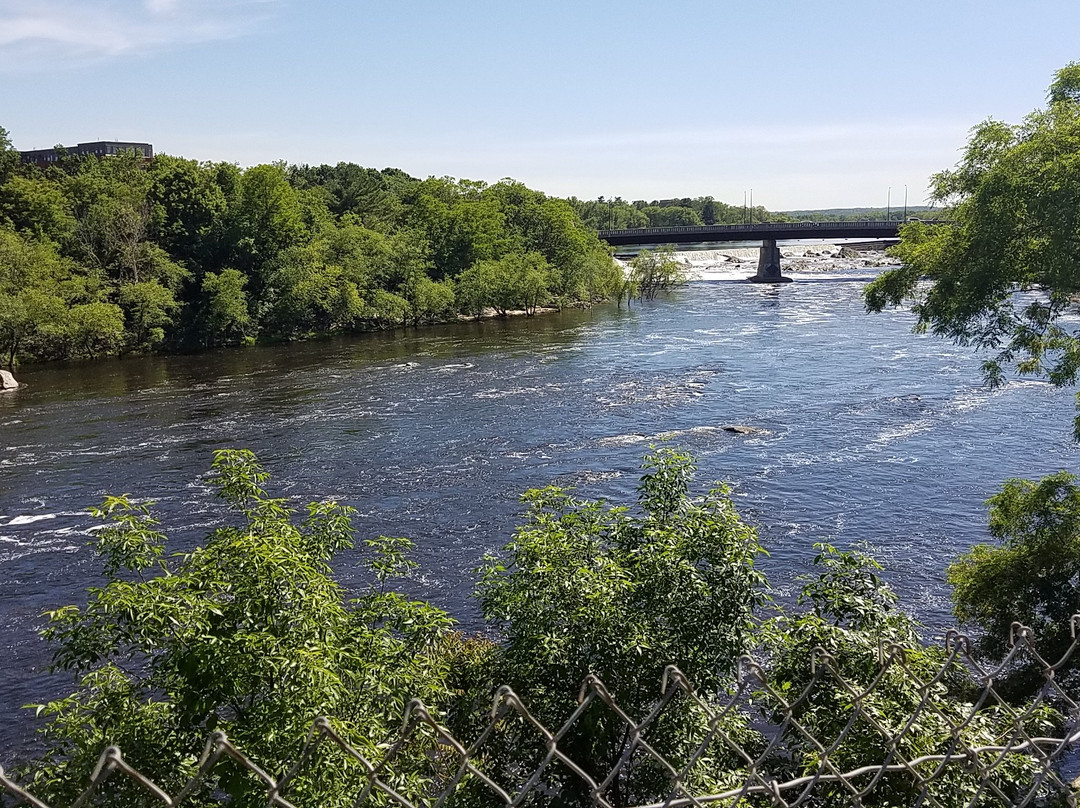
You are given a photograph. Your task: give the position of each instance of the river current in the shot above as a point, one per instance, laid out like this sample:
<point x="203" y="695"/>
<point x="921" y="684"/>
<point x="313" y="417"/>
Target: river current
<point x="868" y="433"/>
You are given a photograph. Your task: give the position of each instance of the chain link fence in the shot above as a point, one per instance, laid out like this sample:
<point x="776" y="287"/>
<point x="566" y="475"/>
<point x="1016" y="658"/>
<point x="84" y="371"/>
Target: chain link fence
<point x="788" y="765"/>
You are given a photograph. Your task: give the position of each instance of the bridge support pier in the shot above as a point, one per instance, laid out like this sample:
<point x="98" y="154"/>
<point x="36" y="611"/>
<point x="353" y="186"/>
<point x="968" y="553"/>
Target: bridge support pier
<point x="768" y="268"/>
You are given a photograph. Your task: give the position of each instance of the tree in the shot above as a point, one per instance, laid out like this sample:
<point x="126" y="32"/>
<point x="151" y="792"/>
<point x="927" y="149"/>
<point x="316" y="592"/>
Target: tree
<point x="656" y="272"/>
<point x="672" y="216"/>
<point x="385" y="309"/>
<point x="924" y="699"/>
<point x="305" y="293"/>
<point x="148" y="308"/>
<point x="266" y="218"/>
<point x="533" y="281"/>
<point x="189" y="207"/>
<point x="1005" y="271"/>
<point x="1066" y="85"/>
<point x="9" y="157"/>
<point x="589" y="588"/>
<point x="1031" y="576"/>
<point x="709" y="211"/>
<point x="246" y="634"/>
<point x="37" y="206"/>
<point x="30" y="273"/>
<point x="225" y="318"/>
<point x="95" y="329"/>
<point x="474" y="288"/>
<point x="428" y="300"/>
<point x="461" y="224"/>
<point x="628" y="288"/>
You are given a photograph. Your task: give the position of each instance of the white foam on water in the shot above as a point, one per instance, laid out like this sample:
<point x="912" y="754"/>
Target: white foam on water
<point x="799" y="459"/>
<point x="28" y="519"/>
<point x="969" y="400"/>
<point x="902" y="432"/>
<point x="622" y="440"/>
<point x="507" y="392"/>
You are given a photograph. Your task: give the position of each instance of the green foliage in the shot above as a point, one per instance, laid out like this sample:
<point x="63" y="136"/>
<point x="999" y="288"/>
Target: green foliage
<point x="148" y="308"/>
<point x="37" y="207"/>
<point x="225" y="316"/>
<point x="673" y="216"/>
<point x="95" y="329"/>
<point x="9" y="156"/>
<point x="1065" y="88"/>
<point x="618" y="214"/>
<point x="654" y="272"/>
<point x="589" y="588"/>
<point x="190" y="203"/>
<point x="249" y="634"/>
<point x="1004" y="273"/>
<point x="474" y="288"/>
<point x="867" y="674"/>
<point x="1032" y="576"/>
<point x="428" y="300"/>
<point x="246" y="634"/>
<point x="35" y="293"/>
<point x="203" y="254"/>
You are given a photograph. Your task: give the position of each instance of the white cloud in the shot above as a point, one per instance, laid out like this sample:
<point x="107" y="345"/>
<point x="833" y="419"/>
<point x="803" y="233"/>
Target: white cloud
<point x="61" y="33"/>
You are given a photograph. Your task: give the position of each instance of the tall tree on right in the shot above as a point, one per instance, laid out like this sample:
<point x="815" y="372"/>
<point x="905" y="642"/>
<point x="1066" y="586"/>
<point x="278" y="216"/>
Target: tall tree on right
<point x="1004" y="277"/>
<point x="1006" y="271"/>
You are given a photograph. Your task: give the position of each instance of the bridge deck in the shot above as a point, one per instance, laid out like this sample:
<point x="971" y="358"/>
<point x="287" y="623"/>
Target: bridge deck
<point x="751" y="232"/>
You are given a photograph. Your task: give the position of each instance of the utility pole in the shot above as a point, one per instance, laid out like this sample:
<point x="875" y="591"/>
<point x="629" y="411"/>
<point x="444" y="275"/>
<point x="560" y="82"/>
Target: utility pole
<point x="888" y="204"/>
<point x="751" y="206"/>
<point x="905" y="203"/>
<point x="744" y="221"/>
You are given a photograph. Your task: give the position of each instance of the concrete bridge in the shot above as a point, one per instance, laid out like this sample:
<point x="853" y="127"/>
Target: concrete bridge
<point x="768" y="233"/>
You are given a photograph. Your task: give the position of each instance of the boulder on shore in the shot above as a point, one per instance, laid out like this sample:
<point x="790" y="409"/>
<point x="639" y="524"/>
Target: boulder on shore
<point x="7" y="381"/>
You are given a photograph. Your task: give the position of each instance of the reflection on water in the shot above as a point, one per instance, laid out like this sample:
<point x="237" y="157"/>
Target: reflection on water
<point x="867" y="433"/>
<point x="770" y="295"/>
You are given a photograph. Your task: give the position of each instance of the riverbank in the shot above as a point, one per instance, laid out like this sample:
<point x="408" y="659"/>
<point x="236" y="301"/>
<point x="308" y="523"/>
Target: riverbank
<point x="488" y="314"/>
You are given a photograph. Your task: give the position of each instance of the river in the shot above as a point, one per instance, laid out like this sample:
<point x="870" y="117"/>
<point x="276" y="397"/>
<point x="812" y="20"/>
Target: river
<point x="869" y="433"/>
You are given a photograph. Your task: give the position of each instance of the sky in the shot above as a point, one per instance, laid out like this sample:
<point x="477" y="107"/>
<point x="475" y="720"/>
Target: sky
<point x="810" y="103"/>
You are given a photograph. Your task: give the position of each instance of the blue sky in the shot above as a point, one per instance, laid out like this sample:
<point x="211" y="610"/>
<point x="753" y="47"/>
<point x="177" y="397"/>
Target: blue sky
<point x="810" y="103"/>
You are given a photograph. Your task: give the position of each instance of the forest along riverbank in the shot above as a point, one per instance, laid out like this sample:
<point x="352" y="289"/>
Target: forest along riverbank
<point x="864" y="432"/>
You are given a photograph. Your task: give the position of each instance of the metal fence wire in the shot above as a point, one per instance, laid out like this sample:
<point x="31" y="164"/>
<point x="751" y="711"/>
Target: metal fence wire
<point x="789" y="765"/>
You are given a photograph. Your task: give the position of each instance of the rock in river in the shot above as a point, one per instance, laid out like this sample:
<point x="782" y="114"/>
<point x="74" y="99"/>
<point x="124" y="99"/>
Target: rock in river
<point x="739" y="429"/>
<point x="7" y="381"/>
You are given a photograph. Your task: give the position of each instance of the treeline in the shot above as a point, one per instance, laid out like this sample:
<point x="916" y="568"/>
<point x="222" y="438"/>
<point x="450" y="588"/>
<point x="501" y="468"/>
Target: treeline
<point x="122" y="255"/>
<point x="897" y="213"/>
<point x="618" y="214"/>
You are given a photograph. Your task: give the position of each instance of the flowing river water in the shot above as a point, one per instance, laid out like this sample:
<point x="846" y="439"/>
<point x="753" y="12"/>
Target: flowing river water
<point x="868" y="433"/>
